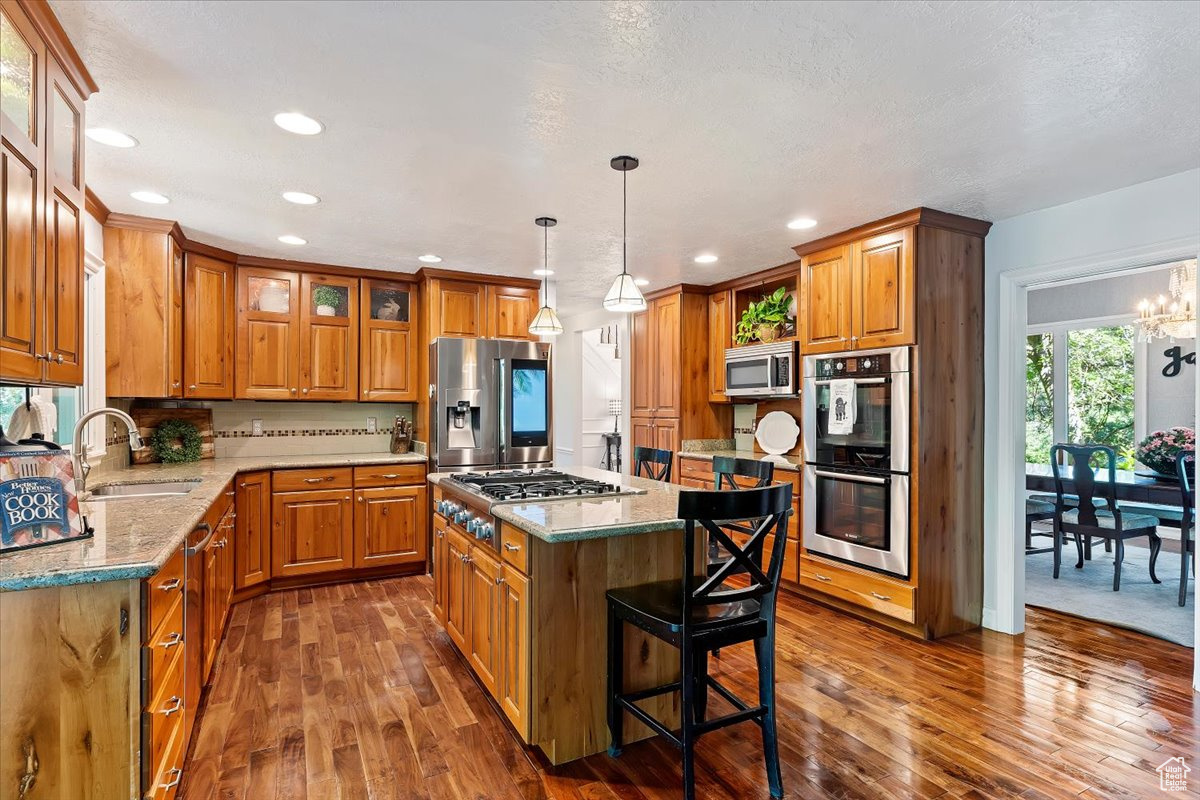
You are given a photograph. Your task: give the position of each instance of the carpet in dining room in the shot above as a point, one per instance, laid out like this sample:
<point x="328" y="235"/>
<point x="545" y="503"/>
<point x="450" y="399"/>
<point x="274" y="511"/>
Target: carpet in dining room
<point x="1141" y="605"/>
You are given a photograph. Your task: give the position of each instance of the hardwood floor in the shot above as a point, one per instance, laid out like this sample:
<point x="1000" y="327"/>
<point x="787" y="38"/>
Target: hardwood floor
<point x="354" y="692"/>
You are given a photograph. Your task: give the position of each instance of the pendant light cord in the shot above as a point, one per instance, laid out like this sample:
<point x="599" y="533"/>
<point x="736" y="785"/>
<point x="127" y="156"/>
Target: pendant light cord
<point x="624" y="223"/>
<point x="545" y="263"/>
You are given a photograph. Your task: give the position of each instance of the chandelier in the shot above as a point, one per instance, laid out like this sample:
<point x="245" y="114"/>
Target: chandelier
<point x="1171" y="317"/>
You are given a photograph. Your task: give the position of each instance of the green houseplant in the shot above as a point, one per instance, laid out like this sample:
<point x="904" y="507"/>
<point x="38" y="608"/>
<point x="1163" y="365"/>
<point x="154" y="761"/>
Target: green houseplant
<point x="762" y="320"/>
<point x="326" y="299"/>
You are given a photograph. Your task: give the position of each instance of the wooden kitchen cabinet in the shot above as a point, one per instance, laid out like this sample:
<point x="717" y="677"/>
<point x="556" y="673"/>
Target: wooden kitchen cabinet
<point x="458" y="308"/>
<point x="860" y="295"/>
<point x="328" y="337"/>
<point x="510" y="311"/>
<point x="252" y="550"/>
<point x="483" y="608"/>
<point x="458" y="546"/>
<point x="268" y="334"/>
<point x="312" y="532"/>
<point x="641" y="430"/>
<point x="441" y="564"/>
<point x="642" y="366"/>
<point x="41" y="256"/>
<point x="666" y="326"/>
<point x="389" y="526"/>
<point x="218" y="588"/>
<point x="388" y="354"/>
<point x="209" y="323"/>
<point x="143" y="290"/>
<point x="666" y="436"/>
<point x="825" y="301"/>
<point x="658" y="434"/>
<point x="720" y="337"/>
<point x="512" y="690"/>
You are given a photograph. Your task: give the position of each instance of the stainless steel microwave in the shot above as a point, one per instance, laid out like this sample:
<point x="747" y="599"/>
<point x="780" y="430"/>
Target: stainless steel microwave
<point x="762" y="370"/>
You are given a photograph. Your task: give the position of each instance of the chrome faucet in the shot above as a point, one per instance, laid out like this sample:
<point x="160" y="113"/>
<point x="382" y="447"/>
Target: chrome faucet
<point x="82" y="467"/>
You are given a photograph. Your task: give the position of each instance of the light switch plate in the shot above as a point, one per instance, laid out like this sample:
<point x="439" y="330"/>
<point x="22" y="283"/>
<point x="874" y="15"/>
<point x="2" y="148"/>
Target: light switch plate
<point x="256" y="427"/>
<point x="372" y="425"/>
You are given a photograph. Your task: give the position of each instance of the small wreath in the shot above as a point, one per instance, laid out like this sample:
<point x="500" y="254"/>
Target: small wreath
<point x="175" y="442"/>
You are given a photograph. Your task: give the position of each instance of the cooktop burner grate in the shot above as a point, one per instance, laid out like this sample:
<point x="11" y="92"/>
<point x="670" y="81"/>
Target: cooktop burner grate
<point x="533" y="484"/>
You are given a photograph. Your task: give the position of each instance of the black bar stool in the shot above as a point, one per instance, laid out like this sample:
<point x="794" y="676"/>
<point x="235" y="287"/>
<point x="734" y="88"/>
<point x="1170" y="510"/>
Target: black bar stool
<point x="697" y="614"/>
<point x="1185" y="468"/>
<point x="652" y="464"/>
<point x="725" y="469"/>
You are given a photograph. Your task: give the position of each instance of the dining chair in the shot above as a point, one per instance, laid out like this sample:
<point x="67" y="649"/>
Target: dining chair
<point x="653" y="464"/>
<point x="1187" y="544"/>
<point x="1036" y="511"/>
<point x="1087" y="518"/>
<point x="698" y="614"/>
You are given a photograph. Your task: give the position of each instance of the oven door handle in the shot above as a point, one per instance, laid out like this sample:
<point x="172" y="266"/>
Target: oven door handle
<point x="825" y="381"/>
<point x="842" y="476"/>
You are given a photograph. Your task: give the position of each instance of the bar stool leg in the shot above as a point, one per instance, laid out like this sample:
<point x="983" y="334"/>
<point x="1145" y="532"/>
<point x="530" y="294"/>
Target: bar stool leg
<point x="687" y="712"/>
<point x="616" y="665"/>
<point x="764" y="653"/>
<point x="701" y="684"/>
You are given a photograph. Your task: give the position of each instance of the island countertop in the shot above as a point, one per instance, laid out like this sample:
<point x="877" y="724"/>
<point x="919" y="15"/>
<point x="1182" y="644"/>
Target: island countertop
<point x="653" y="508"/>
<point x="135" y="537"/>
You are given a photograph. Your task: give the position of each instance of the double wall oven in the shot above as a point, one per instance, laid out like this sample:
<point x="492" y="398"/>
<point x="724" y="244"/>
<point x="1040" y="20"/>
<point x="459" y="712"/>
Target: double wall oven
<point x="856" y="443"/>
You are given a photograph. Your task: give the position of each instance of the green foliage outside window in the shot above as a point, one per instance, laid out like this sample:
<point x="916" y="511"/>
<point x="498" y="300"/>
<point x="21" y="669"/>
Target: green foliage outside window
<point x="1039" y="393"/>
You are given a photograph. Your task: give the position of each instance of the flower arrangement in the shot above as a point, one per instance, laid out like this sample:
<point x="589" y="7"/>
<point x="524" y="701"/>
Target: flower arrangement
<point x="1159" y="450"/>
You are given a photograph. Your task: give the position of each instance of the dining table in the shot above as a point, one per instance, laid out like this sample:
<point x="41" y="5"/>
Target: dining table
<point x="1131" y="486"/>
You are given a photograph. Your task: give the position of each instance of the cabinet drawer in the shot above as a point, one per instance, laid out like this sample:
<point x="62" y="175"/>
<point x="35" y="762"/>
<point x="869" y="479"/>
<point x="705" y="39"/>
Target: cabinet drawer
<point x="166" y="642"/>
<point x="389" y="475"/>
<point x="875" y="592"/>
<point x="162" y="591"/>
<point x="165" y="783"/>
<point x="165" y="710"/>
<point x="301" y="480"/>
<point x="514" y="546"/>
<point x="696" y="468"/>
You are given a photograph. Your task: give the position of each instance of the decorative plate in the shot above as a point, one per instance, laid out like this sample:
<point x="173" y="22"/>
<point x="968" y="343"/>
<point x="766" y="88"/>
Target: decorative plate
<point x="777" y="433"/>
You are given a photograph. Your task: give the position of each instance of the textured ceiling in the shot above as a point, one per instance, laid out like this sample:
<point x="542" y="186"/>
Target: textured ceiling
<point x="450" y="126"/>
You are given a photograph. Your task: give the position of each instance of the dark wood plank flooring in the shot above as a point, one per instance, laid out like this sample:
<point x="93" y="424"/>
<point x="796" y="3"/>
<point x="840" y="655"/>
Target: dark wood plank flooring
<point x="354" y="692"/>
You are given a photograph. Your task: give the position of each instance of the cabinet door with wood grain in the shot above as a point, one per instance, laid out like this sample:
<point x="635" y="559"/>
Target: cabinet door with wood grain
<point x="483" y="625"/>
<point x="389" y="526"/>
<point x="666" y="333"/>
<point x="388" y="354"/>
<point x="510" y="310"/>
<point x="666" y="437"/>
<point x="328" y="338"/>
<point x="252" y="539"/>
<point x="825" y="300"/>
<point x="641" y="433"/>
<point x="311" y="532"/>
<point x="720" y="337"/>
<point x="441" y="564"/>
<point x="641" y="368"/>
<point x="461" y="309"/>
<point x="209" y="320"/>
<point x="457" y="548"/>
<point x="513" y="680"/>
<point x="174" y="313"/>
<point x="884" y="296"/>
<point x="268" y="335"/>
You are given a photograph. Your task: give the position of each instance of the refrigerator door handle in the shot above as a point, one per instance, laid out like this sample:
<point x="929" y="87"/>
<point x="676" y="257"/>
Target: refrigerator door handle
<point x="502" y="386"/>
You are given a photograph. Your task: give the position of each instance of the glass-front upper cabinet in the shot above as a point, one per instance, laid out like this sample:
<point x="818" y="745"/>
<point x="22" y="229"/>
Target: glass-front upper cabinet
<point x="269" y="295"/>
<point x="389" y="302"/>
<point x="18" y="80"/>
<point x="330" y="300"/>
<point x="64" y="139"/>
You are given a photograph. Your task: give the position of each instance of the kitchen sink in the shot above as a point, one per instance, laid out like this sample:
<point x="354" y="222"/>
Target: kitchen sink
<point x="133" y="491"/>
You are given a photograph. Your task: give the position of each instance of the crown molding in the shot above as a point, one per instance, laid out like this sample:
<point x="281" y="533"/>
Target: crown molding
<point x="95" y="206"/>
<point x="59" y="45"/>
<point x="928" y="217"/>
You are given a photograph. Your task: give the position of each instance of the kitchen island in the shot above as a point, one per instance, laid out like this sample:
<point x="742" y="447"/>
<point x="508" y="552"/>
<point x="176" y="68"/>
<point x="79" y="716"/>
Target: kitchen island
<point x="527" y="609"/>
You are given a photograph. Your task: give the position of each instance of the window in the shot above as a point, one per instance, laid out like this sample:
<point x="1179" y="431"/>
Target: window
<point x="1039" y="397"/>
<point x="68" y="402"/>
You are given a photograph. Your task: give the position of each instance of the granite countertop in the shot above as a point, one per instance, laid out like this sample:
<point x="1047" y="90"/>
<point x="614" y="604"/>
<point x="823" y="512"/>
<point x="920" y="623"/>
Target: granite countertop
<point x="653" y="508"/>
<point x="135" y="537"/>
<point x="792" y="463"/>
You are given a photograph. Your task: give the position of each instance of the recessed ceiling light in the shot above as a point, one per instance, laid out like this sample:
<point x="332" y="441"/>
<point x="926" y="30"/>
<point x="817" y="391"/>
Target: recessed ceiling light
<point x="301" y="198"/>
<point x="705" y="258"/>
<point x="802" y="224"/>
<point x="294" y="122"/>
<point x="429" y="258"/>
<point x="150" y="197"/>
<point x="287" y="238"/>
<point x="542" y="273"/>
<point x="110" y="137"/>
<point x="641" y="282"/>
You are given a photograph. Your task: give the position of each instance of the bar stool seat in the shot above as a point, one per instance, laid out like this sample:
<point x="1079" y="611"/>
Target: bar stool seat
<point x="660" y="605"/>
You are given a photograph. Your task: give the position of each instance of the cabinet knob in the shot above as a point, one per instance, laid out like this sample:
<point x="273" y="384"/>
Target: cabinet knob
<point x="175" y="384"/>
<point x="293" y="390"/>
<point x="347" y="497"/>
<point x="242" y="484"/>
<point x="305" y="391"/>
<point x="192" y="386"/>
<point x="360" y="498"/>
<point x="499" y="581"/>
<point x="60" y="358"/>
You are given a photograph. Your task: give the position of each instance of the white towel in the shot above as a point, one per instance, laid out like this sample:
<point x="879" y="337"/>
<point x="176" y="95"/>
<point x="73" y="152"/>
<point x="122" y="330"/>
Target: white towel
<point x="41" y="416"/>
<point x="843" y="410"/>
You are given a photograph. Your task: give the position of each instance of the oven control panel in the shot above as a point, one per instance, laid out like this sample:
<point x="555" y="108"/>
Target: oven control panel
<point x="857" y="366"/>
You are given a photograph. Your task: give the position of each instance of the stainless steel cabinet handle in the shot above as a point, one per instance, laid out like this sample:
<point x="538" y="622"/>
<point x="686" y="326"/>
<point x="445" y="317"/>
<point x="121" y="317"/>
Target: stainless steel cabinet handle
<point x="221" y="544"/>
<point x="177" y="704"/>
<point x="178" y="773"/>
<point x="242" y="485"/>
<point x="175" y="383"/>
<point x="169" y="585"/>
<point x="313" y="480"/>
<point x="191" y="551"/>
<point x="823" y="578"/>
<point x="842" y="476"/>
<point x="174" y="639"/>
<point x="499" y="581"/>
<point x="511" y="547"/>
<point x="390" y="475"/>
<point x="879" y="596"/>
<point x="40" y="357"/>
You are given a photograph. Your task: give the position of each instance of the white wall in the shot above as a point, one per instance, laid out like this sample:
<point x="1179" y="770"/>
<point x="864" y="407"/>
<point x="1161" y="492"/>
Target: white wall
<point x="569" y="411"/>
<point x="1146" y="222"/>
<point x="600" y="382"/>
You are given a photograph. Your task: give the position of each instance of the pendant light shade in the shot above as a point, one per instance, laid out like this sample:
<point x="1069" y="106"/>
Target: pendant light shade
<point x="546" y="322"/>
<point x="624" y="294"/>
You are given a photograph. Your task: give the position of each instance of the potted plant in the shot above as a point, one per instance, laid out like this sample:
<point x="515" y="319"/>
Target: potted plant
<point x="326" y="299"/>
<point x="764" y="319"/>
<point x="1159" y="450"/>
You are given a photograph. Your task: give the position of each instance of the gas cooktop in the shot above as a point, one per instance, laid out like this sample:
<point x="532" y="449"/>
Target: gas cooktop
<point x="534" y="484"/>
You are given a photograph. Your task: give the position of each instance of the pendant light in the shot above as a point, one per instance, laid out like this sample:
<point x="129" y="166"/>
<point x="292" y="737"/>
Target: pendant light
<point x="546" y="322"/>
<point x="624" y="294"/>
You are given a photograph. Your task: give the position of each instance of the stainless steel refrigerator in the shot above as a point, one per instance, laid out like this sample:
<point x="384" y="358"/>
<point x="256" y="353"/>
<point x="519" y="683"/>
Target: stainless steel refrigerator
<point x="490" y="405"/>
